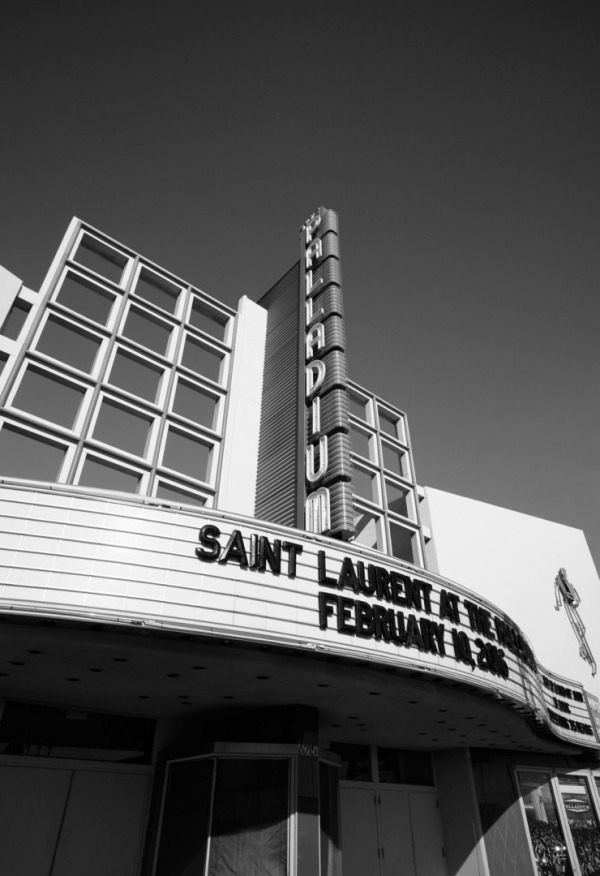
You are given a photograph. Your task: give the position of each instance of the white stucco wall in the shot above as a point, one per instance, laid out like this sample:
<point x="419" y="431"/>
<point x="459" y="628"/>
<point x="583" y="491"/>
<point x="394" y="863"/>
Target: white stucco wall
<point x="512" y="559"/>
<point x="237" y="480"/>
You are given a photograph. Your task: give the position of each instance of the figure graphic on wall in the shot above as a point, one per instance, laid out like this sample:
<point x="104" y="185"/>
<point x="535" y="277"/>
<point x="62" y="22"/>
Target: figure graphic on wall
<point x="568" y="596"/>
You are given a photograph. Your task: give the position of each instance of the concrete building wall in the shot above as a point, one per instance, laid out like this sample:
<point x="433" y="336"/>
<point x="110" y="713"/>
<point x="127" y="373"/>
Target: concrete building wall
<point x="513" y="559"/>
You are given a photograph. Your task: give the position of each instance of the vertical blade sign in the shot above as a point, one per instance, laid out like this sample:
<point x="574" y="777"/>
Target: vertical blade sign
<point x="328" y="466"/>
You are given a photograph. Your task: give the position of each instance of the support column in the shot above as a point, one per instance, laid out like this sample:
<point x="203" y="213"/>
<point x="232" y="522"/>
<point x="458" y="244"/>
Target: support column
<point x="463" y="839"/>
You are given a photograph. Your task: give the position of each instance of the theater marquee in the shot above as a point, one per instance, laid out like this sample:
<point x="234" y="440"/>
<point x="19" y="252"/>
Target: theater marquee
<point x="397" y="614"/>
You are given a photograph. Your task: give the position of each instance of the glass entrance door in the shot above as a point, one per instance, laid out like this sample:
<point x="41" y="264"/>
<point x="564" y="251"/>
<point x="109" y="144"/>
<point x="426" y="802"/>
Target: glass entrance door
<point x="583" y="822"/>
<point x="563" y="822"/>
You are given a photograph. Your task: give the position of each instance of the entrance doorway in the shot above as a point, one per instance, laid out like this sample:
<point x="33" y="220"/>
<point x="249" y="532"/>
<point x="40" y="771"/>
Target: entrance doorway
<point x="390" y="831"/>
<point x="65" y="819"/>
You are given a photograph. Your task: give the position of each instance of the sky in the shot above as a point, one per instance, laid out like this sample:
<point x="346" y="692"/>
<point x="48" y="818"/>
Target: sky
<point x="459" y="141"/>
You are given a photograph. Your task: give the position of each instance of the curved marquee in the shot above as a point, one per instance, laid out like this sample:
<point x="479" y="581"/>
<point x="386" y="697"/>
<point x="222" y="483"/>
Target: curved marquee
<point x="76" y="555"/>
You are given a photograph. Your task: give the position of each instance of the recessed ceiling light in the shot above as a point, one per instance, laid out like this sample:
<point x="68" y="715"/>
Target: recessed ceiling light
<point x="34" y="651"/>
<point x="121" y="659"/>
<point x="322" y="685"/>
<point x="374" y="693"/>
<point x="143" y="697"/>
<point x="228" y="697"/>
<point x="16" y="663"/>
<point x="73" y="679"/>
<point x="173" y="674"/>
<point x="95" y="669"/>
<point x="198" y="667"/>
<point x="263" y="677"/>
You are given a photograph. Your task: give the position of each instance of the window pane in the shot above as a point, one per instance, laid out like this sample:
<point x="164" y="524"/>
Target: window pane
<point x="185" y="823"/>
<point x="3" y="361"/>
<point x="368" y="529"/>
<point x="101" y="258"/>
<point x="85" y="298"/>
<point x="364" y="483"/>
<point x="404" y="767"/>
<point x="135" y="375"/>
<point x="122" y="427"/>
<point x="582" y="821"/>
<point x="250" y="818"/>
<point x="157" y="290"/>
<point x="187" y="454"/>
<point x="207" y="319"/>
<point x="544" y="826"/>
<point x="69" y="344"/>
<point x="24" y="455"/>
<point x="402" y="543"/>
<point x="147" y="331"/>
<point x="356" y="761"/>
<point x="391" y="424"/>
<point x="399" y="499"/>
<point x="204" y="360"/>
<point x="45" y="396"/>
<point x="358" y="406"/>
<point x="395" y="460"/>
<point x="195" y="403"/>
<point x="360" y="442"/>
<point x="15" y="320"/>
<point x="178" y="494"/>
<point x="106" y="476"/>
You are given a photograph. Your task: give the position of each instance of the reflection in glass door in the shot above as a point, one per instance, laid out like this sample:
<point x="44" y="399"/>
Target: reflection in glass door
<point x="547" y="837"/>
<point x="583" y="822"/>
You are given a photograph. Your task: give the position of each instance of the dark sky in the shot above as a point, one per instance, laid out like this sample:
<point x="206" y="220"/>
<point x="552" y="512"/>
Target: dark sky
<point x="459" y="142"/>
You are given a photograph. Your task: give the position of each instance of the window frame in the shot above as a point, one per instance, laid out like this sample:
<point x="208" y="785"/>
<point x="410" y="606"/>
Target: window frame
<point x="91" y="452"/>
<point x="216" y="429"/>
<point x="152" y="364"/>
<point x="144" y="267"/>
<point x="213" y="307"/>
<point x="202" y="438"/>
<point x="46" y="438"/>
<point x="93" y="284"/>
<point x="183" y="487"/>
<point x="61" y="377"/>
<point x="137" y="409"/>
<point x="105" y="244"/>
<point x="61" y="317"/>
<point x="210" y="344"/>
<point x="171" y="324"/>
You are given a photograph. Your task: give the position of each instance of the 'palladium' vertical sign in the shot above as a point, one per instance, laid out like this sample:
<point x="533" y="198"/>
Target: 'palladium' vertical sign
<point x="328" y="469"/>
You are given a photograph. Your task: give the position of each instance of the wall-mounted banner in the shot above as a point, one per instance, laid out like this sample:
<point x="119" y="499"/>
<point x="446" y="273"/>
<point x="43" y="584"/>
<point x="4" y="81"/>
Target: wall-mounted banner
<point x="329" y="508"/>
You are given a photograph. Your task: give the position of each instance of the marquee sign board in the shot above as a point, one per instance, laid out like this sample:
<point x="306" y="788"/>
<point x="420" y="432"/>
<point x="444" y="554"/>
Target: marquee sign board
<point x="215" y="574"/>
<point x="407" y="614"/>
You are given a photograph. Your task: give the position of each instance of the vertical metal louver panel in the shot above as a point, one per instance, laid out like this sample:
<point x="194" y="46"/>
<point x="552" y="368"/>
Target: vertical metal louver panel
<point x="279" y="454"/>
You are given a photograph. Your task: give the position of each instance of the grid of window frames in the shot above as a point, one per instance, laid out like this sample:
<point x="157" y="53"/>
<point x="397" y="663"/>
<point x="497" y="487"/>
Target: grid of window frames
<point x="123" y="384"/>
<point x="386" y="497"/>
